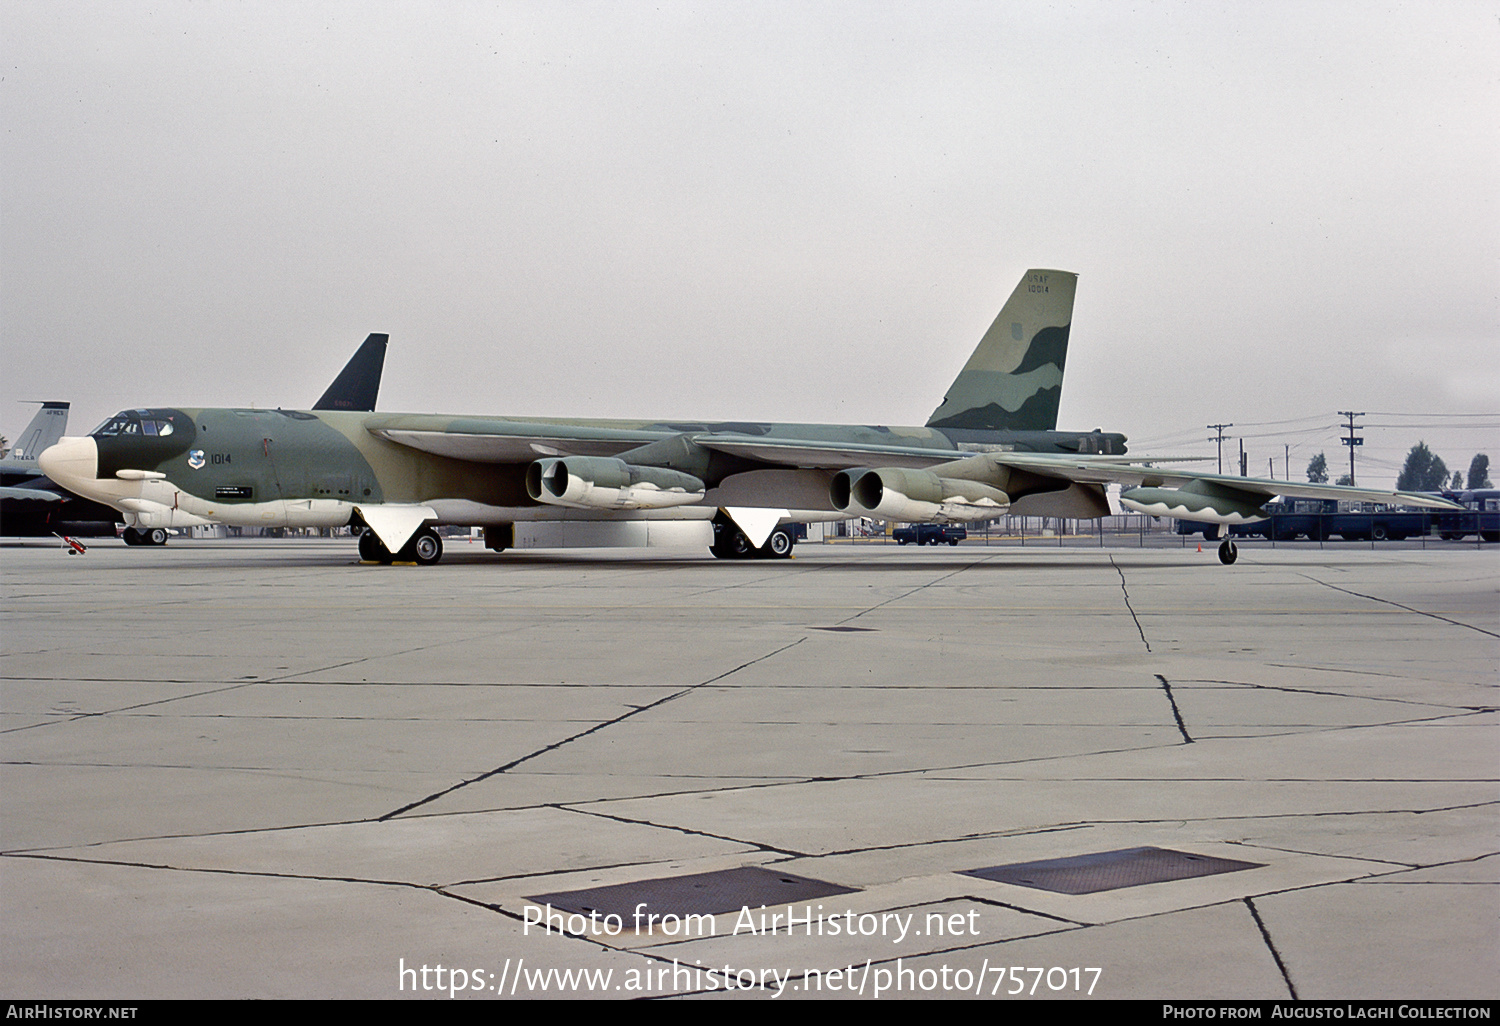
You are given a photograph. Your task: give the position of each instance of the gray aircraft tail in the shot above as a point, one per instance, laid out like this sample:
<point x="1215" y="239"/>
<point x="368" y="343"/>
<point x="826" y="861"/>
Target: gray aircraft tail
<point x="359" y="382"/>
<point x="1013" y="381"/>
<point x="45" y="428"/>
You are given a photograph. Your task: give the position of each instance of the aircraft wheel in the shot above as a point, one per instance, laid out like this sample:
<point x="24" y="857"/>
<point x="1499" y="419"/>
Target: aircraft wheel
<point x="732" y="546"/>
<point x="131" y="536"/>
<point x="1228" y="552"/>
<point x="155" y="536"/>
<point x="372" y="549"/>
<point x="425" y="547"/>
<point x="739" y="546"/>
<point x="778" y="545"/>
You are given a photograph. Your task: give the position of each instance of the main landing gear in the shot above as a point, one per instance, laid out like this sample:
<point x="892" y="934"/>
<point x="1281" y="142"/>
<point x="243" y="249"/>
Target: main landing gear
<point x="151" y="536"/>
<point x="1228" y="552"/>
<point x="730" y="543"/>
<point x="424" y="549"/>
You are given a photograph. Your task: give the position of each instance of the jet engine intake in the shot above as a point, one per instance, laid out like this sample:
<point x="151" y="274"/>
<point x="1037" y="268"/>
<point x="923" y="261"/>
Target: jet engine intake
<point x="603" y="482"/>
<point x="914" y="496"/>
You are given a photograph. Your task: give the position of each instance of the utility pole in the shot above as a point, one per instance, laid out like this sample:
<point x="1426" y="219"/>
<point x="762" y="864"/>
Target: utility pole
<point x="1351" y="440"/>
<point x="1220" y="439"/>
<point x="1286" y="465"/>
<point x="1244" y="470"/>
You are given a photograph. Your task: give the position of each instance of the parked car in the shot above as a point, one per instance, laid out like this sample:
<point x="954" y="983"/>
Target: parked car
<point x="930" y="534"/>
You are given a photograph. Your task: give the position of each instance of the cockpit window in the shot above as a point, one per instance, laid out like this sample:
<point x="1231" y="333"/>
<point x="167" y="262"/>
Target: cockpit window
<point x="112" y="426"/>
<point x="131" y="422"/>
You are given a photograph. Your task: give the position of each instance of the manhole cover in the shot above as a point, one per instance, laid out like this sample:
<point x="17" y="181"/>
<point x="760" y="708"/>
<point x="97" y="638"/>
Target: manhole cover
<point x="704" y="894"/>
<point x="1110" y="870"/>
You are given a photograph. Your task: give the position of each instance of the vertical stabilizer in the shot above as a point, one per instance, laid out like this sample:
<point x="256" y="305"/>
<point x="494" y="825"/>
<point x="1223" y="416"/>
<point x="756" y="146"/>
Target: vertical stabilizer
<point x="359" y="382"/>
<point x="1013" y="382"/>
<point x="45" y="428"/>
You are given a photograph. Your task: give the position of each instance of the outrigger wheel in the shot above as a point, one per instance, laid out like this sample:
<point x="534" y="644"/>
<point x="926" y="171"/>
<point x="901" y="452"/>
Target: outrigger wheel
<point x="1228" y="553"/>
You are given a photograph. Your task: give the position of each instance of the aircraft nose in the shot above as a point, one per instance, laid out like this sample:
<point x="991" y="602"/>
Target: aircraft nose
<point x="71" y="459"/>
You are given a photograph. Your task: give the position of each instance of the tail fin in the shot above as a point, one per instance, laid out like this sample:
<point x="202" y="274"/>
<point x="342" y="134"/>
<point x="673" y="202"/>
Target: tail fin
<point x="359" y="382"/>
<point x="45" y="428"/>
<point x="1013" y="382"/>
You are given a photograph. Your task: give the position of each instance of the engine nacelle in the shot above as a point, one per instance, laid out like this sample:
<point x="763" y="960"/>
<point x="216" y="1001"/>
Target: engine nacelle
<point x="1197" y="500"/>
<point x="914" y="496"/>
<point x="603" y="482"/>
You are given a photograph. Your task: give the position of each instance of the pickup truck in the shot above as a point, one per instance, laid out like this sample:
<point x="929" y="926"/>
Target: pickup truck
<point x="930" y="534"/>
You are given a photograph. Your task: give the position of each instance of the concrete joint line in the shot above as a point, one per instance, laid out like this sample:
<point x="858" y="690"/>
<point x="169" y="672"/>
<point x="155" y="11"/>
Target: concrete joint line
<point x="581" y="734"/>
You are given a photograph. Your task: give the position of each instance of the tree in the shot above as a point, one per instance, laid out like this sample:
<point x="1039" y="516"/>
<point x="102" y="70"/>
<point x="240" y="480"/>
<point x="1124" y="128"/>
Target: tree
<point x="1317" y="469"/>
<point x="1479" y="472"/>
<point x="1458" y="481"/>
<point x="1346" y="480"/>
<point x="5" y="448"/>
<point x="1423" y="472"/>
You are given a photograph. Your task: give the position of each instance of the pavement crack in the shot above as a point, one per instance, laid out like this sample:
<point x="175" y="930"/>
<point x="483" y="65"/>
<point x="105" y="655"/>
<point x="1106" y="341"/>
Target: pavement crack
<point x="1464" y="709"/>
<point x="1271" y="947"/>
<point x="976" y="899"/>
<point x="219" y="871"/>
<point x="1136" y="619"/>
<point x="130" y="708"/>
<point x="757" y="845"/>
<point x="635" y="711"/>
<point x="1398" y="605"/>
<point x="1176" y="713"/>
<point x="921" y="587"/>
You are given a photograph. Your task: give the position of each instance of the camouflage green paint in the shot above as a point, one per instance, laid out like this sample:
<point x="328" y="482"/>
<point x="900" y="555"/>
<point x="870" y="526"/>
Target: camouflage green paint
<point x="1013" y="381"/>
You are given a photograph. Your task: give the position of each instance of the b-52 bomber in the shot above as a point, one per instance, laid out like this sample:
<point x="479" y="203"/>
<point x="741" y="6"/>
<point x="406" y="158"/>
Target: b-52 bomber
<point x="990" y="448"/>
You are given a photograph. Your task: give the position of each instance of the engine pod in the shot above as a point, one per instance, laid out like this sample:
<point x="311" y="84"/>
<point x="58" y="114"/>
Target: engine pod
<point x="603" y="482"/>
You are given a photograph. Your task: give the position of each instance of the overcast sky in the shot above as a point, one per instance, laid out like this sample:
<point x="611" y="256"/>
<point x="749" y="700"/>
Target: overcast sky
<point x="781" y="211"/>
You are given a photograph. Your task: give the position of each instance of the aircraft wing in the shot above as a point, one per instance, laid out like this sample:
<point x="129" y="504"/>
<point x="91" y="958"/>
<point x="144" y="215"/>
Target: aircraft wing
<point x="505" y="441"/>
<point x="1093" y="470"/>
<point x="514" y="441"/>
<point x="956" y="485"/>
<point x="791" y="452"/>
